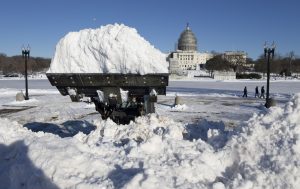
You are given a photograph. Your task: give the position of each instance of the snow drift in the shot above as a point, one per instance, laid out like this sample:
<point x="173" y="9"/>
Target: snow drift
<point x="153" y="152"/>
<point x="109" y="49"/>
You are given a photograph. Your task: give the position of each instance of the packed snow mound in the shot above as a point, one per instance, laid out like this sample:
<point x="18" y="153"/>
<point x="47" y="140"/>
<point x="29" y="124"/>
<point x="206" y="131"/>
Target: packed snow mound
<point x="109" y="49"/>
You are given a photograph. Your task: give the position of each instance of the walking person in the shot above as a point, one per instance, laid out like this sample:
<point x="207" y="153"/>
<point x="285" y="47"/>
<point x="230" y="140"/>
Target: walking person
<point x="245" y="92"/>
<point x="262" y="91"/>
<point x="256" y="92"/>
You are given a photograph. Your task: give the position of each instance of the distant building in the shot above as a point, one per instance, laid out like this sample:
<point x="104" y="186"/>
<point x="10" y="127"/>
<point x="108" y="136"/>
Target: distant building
<point x="235" y="57"/>
<point x="186" y="56"/>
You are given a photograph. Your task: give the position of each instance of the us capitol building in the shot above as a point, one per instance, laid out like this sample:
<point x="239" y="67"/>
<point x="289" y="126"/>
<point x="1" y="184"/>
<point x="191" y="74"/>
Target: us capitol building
<point x="186" y="56"/>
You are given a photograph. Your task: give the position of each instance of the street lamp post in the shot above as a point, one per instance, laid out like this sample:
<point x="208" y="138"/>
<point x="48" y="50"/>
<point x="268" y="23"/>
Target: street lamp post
<point x="269" y="53"/>
<point x="25" y="55"/>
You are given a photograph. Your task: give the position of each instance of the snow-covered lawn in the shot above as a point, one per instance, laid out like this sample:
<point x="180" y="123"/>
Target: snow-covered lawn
<point x="216" y="139"/>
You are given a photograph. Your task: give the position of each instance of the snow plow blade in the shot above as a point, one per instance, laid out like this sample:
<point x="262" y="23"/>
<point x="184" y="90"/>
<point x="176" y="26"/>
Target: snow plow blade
<point x="122" y="97"/>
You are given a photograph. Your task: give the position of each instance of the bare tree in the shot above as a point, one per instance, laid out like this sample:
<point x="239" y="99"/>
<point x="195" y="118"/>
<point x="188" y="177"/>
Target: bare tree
<point x="218" y="63"/>
<point x="15" y="64"/>
<point x="291" y="57"/>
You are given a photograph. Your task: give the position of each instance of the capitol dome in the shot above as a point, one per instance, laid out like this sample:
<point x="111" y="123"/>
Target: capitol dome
<point x="187" y="40"/>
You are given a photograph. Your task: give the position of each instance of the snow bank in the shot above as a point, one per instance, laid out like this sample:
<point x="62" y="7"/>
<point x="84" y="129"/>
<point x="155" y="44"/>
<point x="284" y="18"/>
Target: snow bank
<point x="109" y="49"/>
<point x="268" y="150"/>
<point x="155" y="152"/>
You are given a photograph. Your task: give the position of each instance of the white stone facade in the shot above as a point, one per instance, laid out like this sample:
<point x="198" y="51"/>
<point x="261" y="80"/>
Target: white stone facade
<point x="189" y="60"/>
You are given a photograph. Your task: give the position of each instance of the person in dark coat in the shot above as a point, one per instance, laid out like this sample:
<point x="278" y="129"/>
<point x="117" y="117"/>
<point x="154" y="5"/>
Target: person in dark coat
<point x="245" y="92"/>
<point x="262" y="92"/>
<point x="256" y="92"/>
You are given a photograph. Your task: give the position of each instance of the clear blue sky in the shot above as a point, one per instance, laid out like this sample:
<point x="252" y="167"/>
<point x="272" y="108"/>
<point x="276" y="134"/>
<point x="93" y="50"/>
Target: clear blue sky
<point x="219" y="25"/>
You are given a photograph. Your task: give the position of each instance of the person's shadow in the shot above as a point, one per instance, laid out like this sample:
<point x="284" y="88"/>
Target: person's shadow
<point x="17" y="170"/>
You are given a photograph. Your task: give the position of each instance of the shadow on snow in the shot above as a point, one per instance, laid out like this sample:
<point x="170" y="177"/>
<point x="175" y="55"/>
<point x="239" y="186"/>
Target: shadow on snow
<point x="120" y="176"/>
<point x="213" y="133"/>
<point x="17" y="170"/>
<point x="66" y="129"/>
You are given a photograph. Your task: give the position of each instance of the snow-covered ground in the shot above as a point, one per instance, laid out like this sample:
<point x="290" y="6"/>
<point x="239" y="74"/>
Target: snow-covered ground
<point x="216" y="139"/>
